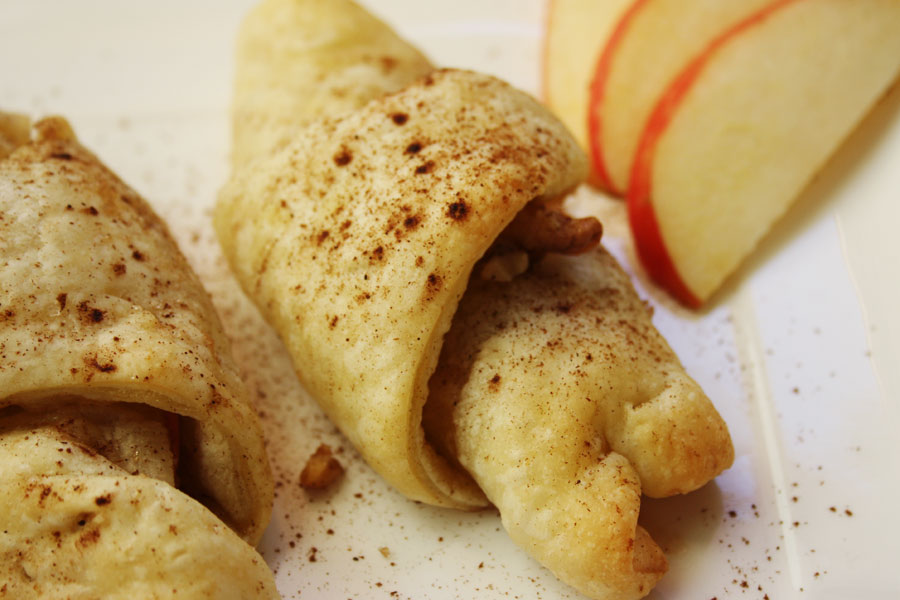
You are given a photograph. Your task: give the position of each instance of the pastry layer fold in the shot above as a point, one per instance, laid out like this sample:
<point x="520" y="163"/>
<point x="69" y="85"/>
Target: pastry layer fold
<point x="77" y="526"/>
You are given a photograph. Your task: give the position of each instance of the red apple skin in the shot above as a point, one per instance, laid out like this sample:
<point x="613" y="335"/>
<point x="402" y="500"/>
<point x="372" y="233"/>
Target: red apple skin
<point x="652" y="251"/>
<point x="651" y="247"/>
<point x="599" y="173"/>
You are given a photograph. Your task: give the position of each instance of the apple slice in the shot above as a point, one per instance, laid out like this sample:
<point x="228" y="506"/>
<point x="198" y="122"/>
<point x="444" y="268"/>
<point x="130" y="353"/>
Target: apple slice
<point x="576" y="32"/>
<point x="651" y="43"/>
<point x="745" y="126"/>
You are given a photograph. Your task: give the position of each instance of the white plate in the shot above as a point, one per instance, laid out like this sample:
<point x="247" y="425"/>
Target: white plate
<point x="801" y="353"/>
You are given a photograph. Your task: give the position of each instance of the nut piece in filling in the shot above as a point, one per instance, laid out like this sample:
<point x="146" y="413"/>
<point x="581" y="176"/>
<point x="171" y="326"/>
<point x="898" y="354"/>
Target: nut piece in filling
<point x="541" y="227"/>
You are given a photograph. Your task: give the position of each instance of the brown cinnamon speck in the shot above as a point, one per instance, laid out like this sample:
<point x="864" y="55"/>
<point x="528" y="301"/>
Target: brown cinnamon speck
<point x="93" y="363"/>
<point x="433" y="284"/>
<point x="494" y="383"/>
<point x="458" y="211"/>
<point x="425" y="168"/>
<point x="343" y="158"/>
<point x="89" y="313"/>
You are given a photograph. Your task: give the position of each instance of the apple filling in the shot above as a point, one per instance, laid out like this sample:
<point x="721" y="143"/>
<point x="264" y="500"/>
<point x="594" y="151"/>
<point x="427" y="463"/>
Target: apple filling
<point x="538" y="229"/>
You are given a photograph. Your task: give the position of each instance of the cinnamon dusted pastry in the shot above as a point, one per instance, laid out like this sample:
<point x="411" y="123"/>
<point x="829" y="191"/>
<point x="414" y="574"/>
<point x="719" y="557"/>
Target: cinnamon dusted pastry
<point x="299" y="59"/>
<point x="470" y="339"/>
<point x="131" y="462"/>
<point x="554" y="396"/>
<point x="558" y="395"/>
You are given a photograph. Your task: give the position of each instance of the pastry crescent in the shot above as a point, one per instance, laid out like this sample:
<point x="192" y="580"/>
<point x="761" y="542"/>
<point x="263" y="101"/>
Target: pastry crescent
<point x="409" y="251"/>
<point x="359" y="240"/>
<point x="119" y="404"/>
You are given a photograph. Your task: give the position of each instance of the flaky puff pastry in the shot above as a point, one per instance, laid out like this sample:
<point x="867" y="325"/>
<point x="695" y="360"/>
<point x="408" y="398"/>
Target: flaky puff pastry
<point x="131" y="460"/>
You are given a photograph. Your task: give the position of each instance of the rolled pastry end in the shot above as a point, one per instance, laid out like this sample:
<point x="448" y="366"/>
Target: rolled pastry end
<point x="675" y="439"/>
<point x="586" y="530"/>
<point x="558" y="395"/>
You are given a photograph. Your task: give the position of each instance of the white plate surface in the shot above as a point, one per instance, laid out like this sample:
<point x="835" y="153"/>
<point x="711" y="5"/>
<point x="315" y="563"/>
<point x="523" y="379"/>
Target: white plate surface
<point x="801" y="353"/>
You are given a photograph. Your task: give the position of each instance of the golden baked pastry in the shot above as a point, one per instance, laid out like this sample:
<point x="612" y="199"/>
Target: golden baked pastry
<point x="410" y="250"/>
<point x="359" y="240"/>
<point x="131" y="462"/>
<point x="558" y="395"/>
<point x="299" y="59"/>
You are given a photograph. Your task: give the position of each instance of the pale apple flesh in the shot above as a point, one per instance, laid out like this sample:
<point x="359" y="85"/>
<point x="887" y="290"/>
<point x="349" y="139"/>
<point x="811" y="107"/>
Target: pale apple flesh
<point x="576" y="31"/>
<point x="652" y="43"/>
<point x="739" y="134"/>
<point x="597" y="95"/>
